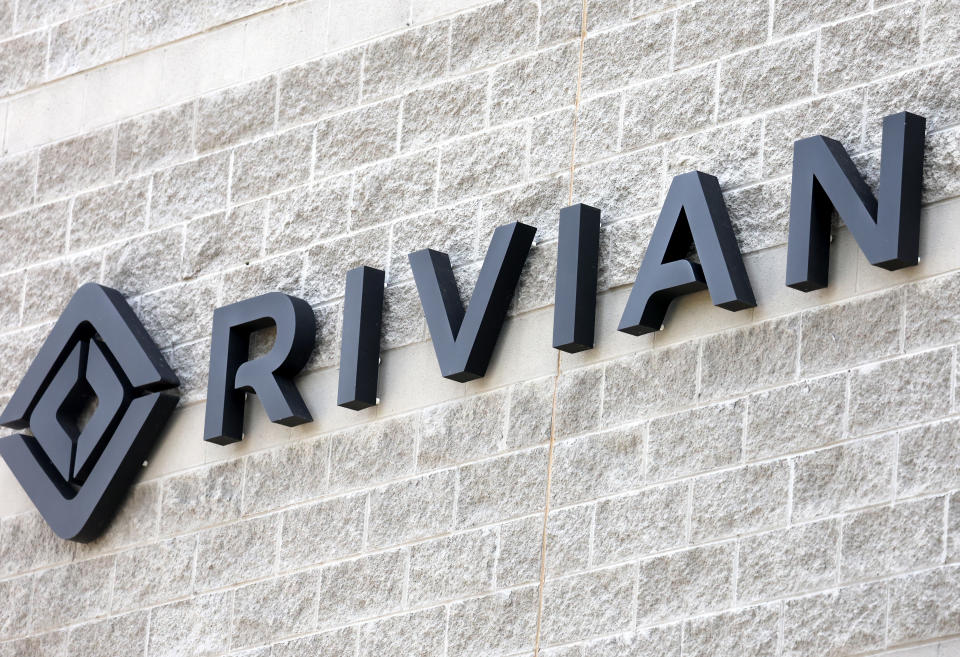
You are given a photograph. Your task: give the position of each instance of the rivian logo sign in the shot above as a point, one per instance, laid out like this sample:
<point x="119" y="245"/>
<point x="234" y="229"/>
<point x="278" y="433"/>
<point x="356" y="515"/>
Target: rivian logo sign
<point x="77" y="472"/>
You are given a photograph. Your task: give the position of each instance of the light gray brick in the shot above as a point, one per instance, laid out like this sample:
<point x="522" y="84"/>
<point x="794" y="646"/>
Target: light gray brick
<point x="154" y="573"/>
<point x="11" y="299"/>
<point x="868" y="47"/>
<point x="696" y="441"/>
<point x="190" y="189"/>
<point x="18" y="178"/>
<point x="500" y="623"/>
<point x="144" y="263"/>
<point x="38" y="13"/>
<point x="534" y="84"/>
<point x="51" y="643"/>
<point x="190" y="362"/>
<point x="927" y="459"/>
<point x="892" y="539"/>
<point x="731" y="153"/>
<point x="710" y="29"/>
<point x="795" y="417"/>
<point x="357" y="454"/>
<point x="797" y="15"/>
<point x="924" y="605"/>
<point x="537" y="204"/>
<point x="280" y="274"/>
<point x="480" y="164"/>
<point x="136" y="521"/>
<point x="561" y="20"/>
<point x="929" y="308"/>
<point x="953" y="528"/>
<point x="491" y="33"/>
<point x="411" y="509"/>
<point x="649" y="383"/>
<point x="52" y="283"/>
<point x="418" y="634"/>
<point x="282" y="476"/>
<point x="22" y="61"/>
<point x="933" y="92"/>
<point x="76" y="163"/>
<point x="744" y="359"/>
<point x="335" y="643"/>
<point x="362" y="588"/>
<point x="320" y="87"/>
<point x="403" y="321"/>
<point x="598" y="136"/>
<point x="521" y="545"/>
<point x="501" y="488"/>
<point x="236" y="114"/>
<point x="760" y="214"/>
<point x="750" y="631"/>
<point x="597" y="465"/>
<point x="87" y="40"/>
<point x="252" y="545"/>
<point x="271" y="164"/>
<point x="304" y="214"/>
<point x="685" y="583"/>
<point x="627" y="55"/>
<point x="15" y="613"/>
<point x="788" y="561"/>
<point x="766" y="77"/>
<point x="154" y="140"/>
<point x="901" y="391"/>
<point x="103" y="215"/>
<point x="199" y="625"/>
<point x="662" y="641"/>
<point x="941" y="29"/>
<point x="452" y="567"/>
<point x="588" y="604"/>
<point x="837" y="622"/>
<point x="651" y="520"/>
<point x="113" y="636"/>
<point x="201" y="497"/>
<point x="453" y="108"/>
<point x="274" y="608"/>
<point x="321" y="532"/>
<point x="16" y="354"/>
<point x="531" y="410"/>
<point x="579" y="395"/>
<point x="357" y="137"/>
<point x="179" y="314"/>
<point x="72" y="593"/>
<point x="941" y="166"/>
<point x="739" y="501"/>
<point x="223" y="240"/>
<point x="328" y="262"/>
<point x="623" y="187"/>
<point x="682" y="102"/>
<point x="843" y="477"/>
<point x="394" y="188"/>
<point x="450" y="230"/>
<point x="407" y="60"/>
<point x="462" y="430"/>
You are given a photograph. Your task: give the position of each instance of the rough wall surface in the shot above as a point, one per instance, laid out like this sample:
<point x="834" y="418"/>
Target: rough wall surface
<point x="778" y="481"/>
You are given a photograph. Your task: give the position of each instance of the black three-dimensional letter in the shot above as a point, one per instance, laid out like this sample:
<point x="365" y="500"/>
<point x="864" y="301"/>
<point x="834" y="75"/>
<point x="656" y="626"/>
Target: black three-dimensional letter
<point x="360" y="344"/>
<point x="575" y="298"/>
<point x="693" y="214"/>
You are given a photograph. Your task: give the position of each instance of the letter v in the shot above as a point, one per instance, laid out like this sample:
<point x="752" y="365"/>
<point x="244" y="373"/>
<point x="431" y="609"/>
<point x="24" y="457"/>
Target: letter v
<point x="464" y="340"/>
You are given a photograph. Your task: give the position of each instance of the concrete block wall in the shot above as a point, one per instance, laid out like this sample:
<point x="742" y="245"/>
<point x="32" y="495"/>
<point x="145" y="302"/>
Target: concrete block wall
<point x="779" y="481"/>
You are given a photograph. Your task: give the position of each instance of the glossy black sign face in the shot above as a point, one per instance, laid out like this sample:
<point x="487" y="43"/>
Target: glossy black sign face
<point x="94" y="402"/>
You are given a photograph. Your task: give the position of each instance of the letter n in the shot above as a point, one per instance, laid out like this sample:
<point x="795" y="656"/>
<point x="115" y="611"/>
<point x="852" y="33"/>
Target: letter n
<point x="825" y="179"/>
<point x="693" y="214"/>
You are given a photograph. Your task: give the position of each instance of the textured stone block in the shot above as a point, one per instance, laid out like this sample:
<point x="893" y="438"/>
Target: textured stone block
<point x="281" y="274"/>
<point x="304" y="214"/>
<point x="731" y="153"/>
<point x="924" y="605"/>
<point x="709" y="29"/>
<point x="409" y="59"/>
<point x="271" y="164"/>
<point x="859" y="331"/>
<point x="395" y="188"/>
<point x="452" y="567"/>
<point x="190" y="189"/>
<point x="420" y="634"/>
<point x="598" y="137"/>
<point x="685" y="583"/>
<point x="928" y="459"/>
<point x="366" y="587"/>
<point x="579" y="395"/>
<point x="483" y="163"/>
<point x="492" y="33"/>
<point x="411" y="509"/>
<point x="201" y="497"/>
<point x="760" y="214"/>
<point x="788" y="561"/>
<point x="16" y="354"/>
<point x="662" y="641"/>
<point x="929" y="308"/>
<point x="589" y="604"/>
<point x="932" y="92"/>
<point x="154" y="140"/>
<point x="627" y="55"/>
<point x="22" y="61"/>
<point x="322" y="532"/>
<point x="357" y="137"/>
<point x="892" y="539"/>
<point x="136" y="521"/>
<point x="739" y="501"/>
<point x="335" y="643"/>
<point x="900" y="391"/>
<point x="38" y="13"/>
<point x="223" y="240"/>
<point x="843" y="477"/>
<point x="941" y="29"/>
<point x="679" y="103"/>
<point x="501" y="623"/>
<point x="110" y="637"/>
<point x="757" y="356"/>
<point x="649" y="383"/>
<point x="531" y="411"/>
<point x="450" y="230"/>
<point x="108" y="213"/>
<point x="52" y="283"/>
<point x="641" y="523"/>
<point x="750" y="631"/>
<point x="76" y="163"/>
<point x="597" y="465"/>
<point x="842" y="621"/>
<point x="18" y="175"/>
<point x="329" y="262"/>
<point x="536" y="204"/>
<point x="267" y="478"/>
<point x="561" y="20"/>
<point x="534" y="84"/>
<point x="623" y="187"/>
<point x="15" y="613"/>
<point x="154" y="573"/>
<point x="453" y="108"/>
<point x="144" y="263"/>
<point x="795" y="417"/>
<point x="797" y="15"/>
<point x="462" y="430"/>
<point x="251" y="544"/>
<point x="403" y="321"/>
<point x="357" y="454"/>
<point x="72" y="593"/>
<point x="190" y="362"/>
<point x="200" y="626"/>
<point x="868" y="47"/>
<point x="769" y="76"/>
<point x="521" y="547"/>
<point x="179" y="314"/>
<point x="502" y="488"/>
<point x="696" y="441"/>
<point x="274" y="608"/>
<point x="320" y="87"/>
<point x="11" y="299"/>
<point x="236" y="114"/>
<point x="941" y="166"/>
<point x="51" y="643"/>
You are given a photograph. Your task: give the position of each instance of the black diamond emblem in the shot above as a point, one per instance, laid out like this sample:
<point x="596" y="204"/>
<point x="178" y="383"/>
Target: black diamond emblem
<point x="95" y="399"/>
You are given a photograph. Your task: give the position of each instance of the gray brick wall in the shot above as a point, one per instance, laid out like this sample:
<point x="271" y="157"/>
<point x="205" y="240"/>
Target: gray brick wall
<point x="781" y="481"/>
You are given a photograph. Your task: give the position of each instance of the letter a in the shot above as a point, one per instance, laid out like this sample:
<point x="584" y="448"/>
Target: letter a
<point x="693" y="214"/>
